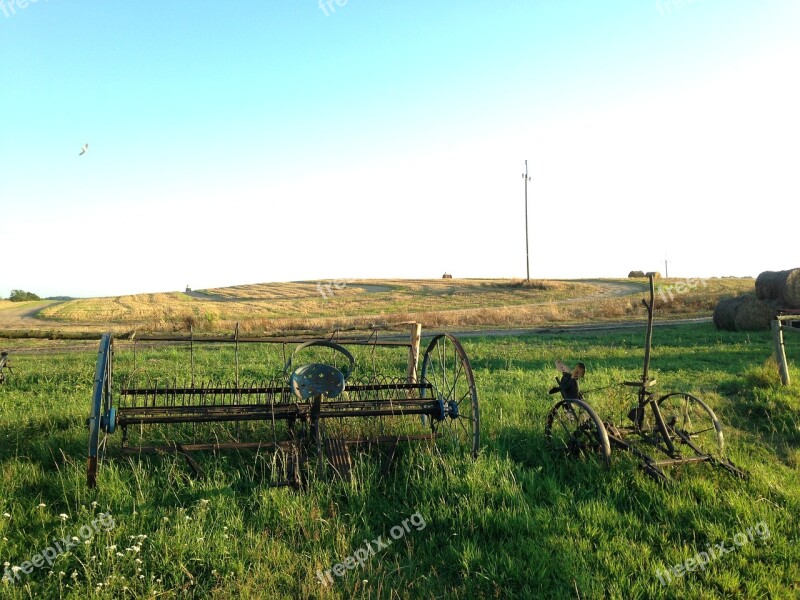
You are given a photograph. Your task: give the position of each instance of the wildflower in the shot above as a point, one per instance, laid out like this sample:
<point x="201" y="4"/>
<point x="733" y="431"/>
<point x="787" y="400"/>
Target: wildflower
<point x="165" y="519"/>
<point x="42" y="504"/>
<point x="94" y="504"/>
<point x="138" y="561"/>
<point x="75" y="538"/>
<point x="203" y="502"/>
<point x="120" y="554"/>
<point x="63" y="516"/>
<point x="111" y="548"/>
<point x="15" y="569"/>
<point x="6" y="515"/>
<point x="74" y="576"/>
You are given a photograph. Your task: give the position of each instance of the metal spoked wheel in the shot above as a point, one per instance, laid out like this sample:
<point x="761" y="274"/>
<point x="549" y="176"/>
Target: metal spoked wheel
<point x="690" y="421"/>
<point x="102" y="419"/>
<point x="446" y="368"/>
<point x="574" y="428"/>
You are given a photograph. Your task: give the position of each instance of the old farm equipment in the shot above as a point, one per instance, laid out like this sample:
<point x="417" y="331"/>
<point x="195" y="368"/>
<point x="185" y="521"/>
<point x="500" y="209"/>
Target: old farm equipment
<point x="676" y="427"/>
<point x="321" y="397"/>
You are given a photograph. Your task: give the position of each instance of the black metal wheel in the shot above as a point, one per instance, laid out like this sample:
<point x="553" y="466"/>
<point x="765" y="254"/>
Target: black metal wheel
<point x="446" y="368"/>
<point x="690" y="422"/>
<point x="574" y="428"/>
<point x="102" y="419"/>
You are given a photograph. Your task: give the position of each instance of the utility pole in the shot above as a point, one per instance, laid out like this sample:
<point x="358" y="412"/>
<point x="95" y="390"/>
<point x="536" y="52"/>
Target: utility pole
<point x="527" y="260"/>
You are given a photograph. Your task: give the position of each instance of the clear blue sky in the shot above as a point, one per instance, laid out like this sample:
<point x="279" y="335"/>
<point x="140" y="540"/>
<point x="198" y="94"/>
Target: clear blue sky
<point x="276" y="140"/>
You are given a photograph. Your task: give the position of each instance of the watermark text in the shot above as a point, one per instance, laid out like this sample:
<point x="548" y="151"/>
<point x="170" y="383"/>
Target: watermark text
<point x="326" y="288"/>
<point x="59" y="547"/>
<point x="667" y="293"/>
<point x="712" y="552"/>
<point x="327" y="6"/>
<point x="9" y="7"/>
<point x="360" y="556"/>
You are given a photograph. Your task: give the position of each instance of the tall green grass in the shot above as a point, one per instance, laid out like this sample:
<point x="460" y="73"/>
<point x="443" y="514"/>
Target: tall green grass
<point x="517" y="522"/>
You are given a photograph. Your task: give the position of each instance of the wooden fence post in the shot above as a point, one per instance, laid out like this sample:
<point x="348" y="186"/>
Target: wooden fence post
<point x="413" y="352"/>
<point x="780" y="351"/>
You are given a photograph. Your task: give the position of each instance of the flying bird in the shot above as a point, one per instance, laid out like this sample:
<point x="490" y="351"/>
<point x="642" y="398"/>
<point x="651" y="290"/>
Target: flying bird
<point x="84" y="149"/>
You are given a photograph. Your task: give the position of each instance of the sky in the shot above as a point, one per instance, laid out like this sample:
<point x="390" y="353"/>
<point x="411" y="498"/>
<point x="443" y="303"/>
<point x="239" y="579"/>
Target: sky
<point x="284" y="140"/>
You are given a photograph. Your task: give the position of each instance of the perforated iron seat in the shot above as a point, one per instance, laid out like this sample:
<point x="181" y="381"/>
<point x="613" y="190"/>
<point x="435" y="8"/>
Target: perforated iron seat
<point x="319" y="379"/>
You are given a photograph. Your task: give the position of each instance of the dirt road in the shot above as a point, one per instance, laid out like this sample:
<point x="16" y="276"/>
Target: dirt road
<point x="24" y="316"/>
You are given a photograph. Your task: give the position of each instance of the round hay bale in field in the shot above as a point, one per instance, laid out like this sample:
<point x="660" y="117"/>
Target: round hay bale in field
<point x="780" y="287"/>
<point x="742" y="313"/>
<point x="635" y="274"/>
<point x="655" y="274"/>
<point x="725" y="313"/>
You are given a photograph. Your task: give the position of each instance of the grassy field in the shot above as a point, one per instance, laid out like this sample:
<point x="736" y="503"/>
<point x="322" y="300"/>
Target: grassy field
<point x="517" y="522"/>
<point x="448" y="303"/>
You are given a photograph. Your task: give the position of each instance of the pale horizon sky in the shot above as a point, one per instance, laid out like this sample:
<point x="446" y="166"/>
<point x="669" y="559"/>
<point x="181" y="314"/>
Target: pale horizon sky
<point x="287" y="140"/>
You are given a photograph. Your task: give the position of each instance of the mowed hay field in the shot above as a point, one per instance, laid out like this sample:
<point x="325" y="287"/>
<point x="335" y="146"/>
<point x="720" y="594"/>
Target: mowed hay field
<point x="517" y="522"/>
<point x="444" y="303"/>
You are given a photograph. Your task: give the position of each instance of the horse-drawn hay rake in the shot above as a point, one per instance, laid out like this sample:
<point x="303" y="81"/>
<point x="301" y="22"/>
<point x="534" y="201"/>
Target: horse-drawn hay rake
<point x="309" y="403"/>
<point x="680" y="427"/>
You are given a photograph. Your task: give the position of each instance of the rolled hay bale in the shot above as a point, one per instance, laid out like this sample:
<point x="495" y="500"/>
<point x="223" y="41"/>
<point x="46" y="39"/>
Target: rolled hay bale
<point x="635" y="274"/>
<point x="753" y="315"/>
<point x="780" y="287"/>
<point x="725" y="313"/>
<point x="742" y="313"/>
<point x="655" y="274"/>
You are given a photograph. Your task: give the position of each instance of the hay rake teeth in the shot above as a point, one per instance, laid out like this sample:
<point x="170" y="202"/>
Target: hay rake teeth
<point x="325" y="405"/>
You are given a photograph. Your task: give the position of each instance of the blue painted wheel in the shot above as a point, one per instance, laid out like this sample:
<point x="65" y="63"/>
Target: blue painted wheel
<point x="446" y="368"/>
<point x="101" y="406"/>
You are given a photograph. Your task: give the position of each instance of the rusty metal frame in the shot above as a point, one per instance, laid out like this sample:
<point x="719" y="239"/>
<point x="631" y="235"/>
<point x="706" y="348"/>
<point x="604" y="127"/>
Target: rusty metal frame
<point x="196" y="404"/>
<point x="662" y="435"/>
